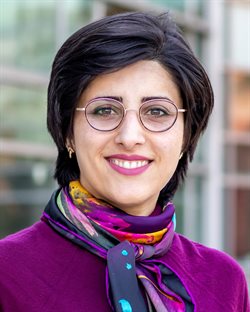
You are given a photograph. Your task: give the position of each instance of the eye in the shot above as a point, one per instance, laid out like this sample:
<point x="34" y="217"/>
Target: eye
<point x="104" y="111"/>
<point x="155" y="111"/>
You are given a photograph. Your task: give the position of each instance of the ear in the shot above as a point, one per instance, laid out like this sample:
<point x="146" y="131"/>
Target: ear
<point x="70" y="143"/>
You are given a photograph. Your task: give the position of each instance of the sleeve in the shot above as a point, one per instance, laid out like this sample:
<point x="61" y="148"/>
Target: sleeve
<point x="246" y="299"/>
<point x="239" y="290"/>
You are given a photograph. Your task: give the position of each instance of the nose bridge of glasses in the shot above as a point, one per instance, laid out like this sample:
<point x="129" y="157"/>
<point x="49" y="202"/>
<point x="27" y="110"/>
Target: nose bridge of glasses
<point x="131" y="110"/>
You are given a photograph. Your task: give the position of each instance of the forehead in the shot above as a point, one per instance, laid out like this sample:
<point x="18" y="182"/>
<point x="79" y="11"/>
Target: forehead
<point x="133" y="82"/>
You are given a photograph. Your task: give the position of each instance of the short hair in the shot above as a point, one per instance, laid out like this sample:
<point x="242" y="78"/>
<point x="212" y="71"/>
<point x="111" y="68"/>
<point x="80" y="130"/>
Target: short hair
<point x="108" y="45"/>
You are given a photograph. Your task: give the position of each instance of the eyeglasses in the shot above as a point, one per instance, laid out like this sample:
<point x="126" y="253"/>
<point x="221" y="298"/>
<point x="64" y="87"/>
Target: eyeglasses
<point x="106" y="114"/>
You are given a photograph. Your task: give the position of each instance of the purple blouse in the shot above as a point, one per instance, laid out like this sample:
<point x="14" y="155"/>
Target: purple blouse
<point x="42" y="271"/>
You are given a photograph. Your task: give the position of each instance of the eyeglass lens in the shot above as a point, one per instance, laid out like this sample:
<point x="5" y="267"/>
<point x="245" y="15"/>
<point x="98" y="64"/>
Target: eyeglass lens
<point x="107" y="114"/>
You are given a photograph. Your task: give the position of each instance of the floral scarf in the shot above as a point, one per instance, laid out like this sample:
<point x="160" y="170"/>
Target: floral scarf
<point x="131" y="246"/>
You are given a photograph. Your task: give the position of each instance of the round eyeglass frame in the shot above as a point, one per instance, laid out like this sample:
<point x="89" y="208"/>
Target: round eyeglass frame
<point x="84" y="109"/>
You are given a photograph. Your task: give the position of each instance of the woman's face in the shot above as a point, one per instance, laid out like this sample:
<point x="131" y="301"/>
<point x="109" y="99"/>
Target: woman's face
<point x="109" y="161"/>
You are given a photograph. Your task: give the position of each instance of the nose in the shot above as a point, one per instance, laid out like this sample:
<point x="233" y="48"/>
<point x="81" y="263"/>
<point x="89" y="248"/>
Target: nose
<point x="131" y="132"/>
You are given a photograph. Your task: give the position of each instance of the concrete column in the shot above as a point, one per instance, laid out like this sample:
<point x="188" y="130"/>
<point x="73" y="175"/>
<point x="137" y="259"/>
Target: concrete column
<point x="213" y="221"/>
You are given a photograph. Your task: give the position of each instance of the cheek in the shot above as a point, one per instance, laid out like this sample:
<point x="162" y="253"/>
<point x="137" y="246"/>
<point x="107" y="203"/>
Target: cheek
<point x="172" y="142"/>
<point x="82" y="137"/>
<point x="171" y="152"/>
<point x="178" y="136"/>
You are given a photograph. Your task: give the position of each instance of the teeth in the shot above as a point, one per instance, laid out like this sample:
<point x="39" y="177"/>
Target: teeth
<point x="129" y="164"/>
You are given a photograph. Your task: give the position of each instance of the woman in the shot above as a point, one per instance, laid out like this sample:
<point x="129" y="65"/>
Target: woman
<point x="127" y="103"/>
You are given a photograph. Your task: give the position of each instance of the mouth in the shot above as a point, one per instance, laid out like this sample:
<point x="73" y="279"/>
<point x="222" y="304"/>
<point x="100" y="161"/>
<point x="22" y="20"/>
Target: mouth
<point x="129" y="165"/>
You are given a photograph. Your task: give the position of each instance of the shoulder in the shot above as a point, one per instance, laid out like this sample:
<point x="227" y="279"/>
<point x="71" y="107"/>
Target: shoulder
<point x="211" y="272"/>
<point x="28" y="250"/>
<point x="37" y="262"/>
<point x="24" y="240"/>
<point x="200" y="257"/>
<point x="198" y="252"/>
<point x="36" y="241"/>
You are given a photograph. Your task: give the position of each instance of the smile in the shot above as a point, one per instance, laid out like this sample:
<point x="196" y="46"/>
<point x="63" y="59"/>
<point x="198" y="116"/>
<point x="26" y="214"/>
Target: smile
<point x="127" y="164"/>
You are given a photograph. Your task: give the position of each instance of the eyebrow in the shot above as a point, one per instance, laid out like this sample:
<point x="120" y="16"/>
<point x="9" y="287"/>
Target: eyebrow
<point x="148" y="98"/>
<point x="117" y="98"/>
<point x="144" y="99"/>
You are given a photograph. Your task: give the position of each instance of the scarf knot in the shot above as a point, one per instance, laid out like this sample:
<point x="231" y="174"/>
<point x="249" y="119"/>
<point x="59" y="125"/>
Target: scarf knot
<point x="143" y="252"/>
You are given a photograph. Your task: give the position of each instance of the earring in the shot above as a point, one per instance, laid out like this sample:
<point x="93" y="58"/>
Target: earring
<point x="70" y="151"/>
<point x="181" y="154"/>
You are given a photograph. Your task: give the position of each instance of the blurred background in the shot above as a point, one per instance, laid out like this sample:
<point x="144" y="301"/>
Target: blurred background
<point x="213" y="207"/>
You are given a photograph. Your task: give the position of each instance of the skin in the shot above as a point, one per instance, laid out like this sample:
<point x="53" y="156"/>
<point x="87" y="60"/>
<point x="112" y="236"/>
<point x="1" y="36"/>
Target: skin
<point x="134" y="194"/>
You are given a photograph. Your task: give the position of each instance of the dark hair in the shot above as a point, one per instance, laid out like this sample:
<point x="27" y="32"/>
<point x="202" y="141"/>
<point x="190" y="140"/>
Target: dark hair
<point x="108" y="45"/>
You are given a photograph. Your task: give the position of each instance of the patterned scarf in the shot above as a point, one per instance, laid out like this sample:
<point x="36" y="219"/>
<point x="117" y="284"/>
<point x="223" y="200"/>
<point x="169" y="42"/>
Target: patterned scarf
<point x="131" y="246"/>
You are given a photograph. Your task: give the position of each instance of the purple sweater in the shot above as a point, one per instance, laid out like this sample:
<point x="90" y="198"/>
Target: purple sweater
<point x="40" y="271"/>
